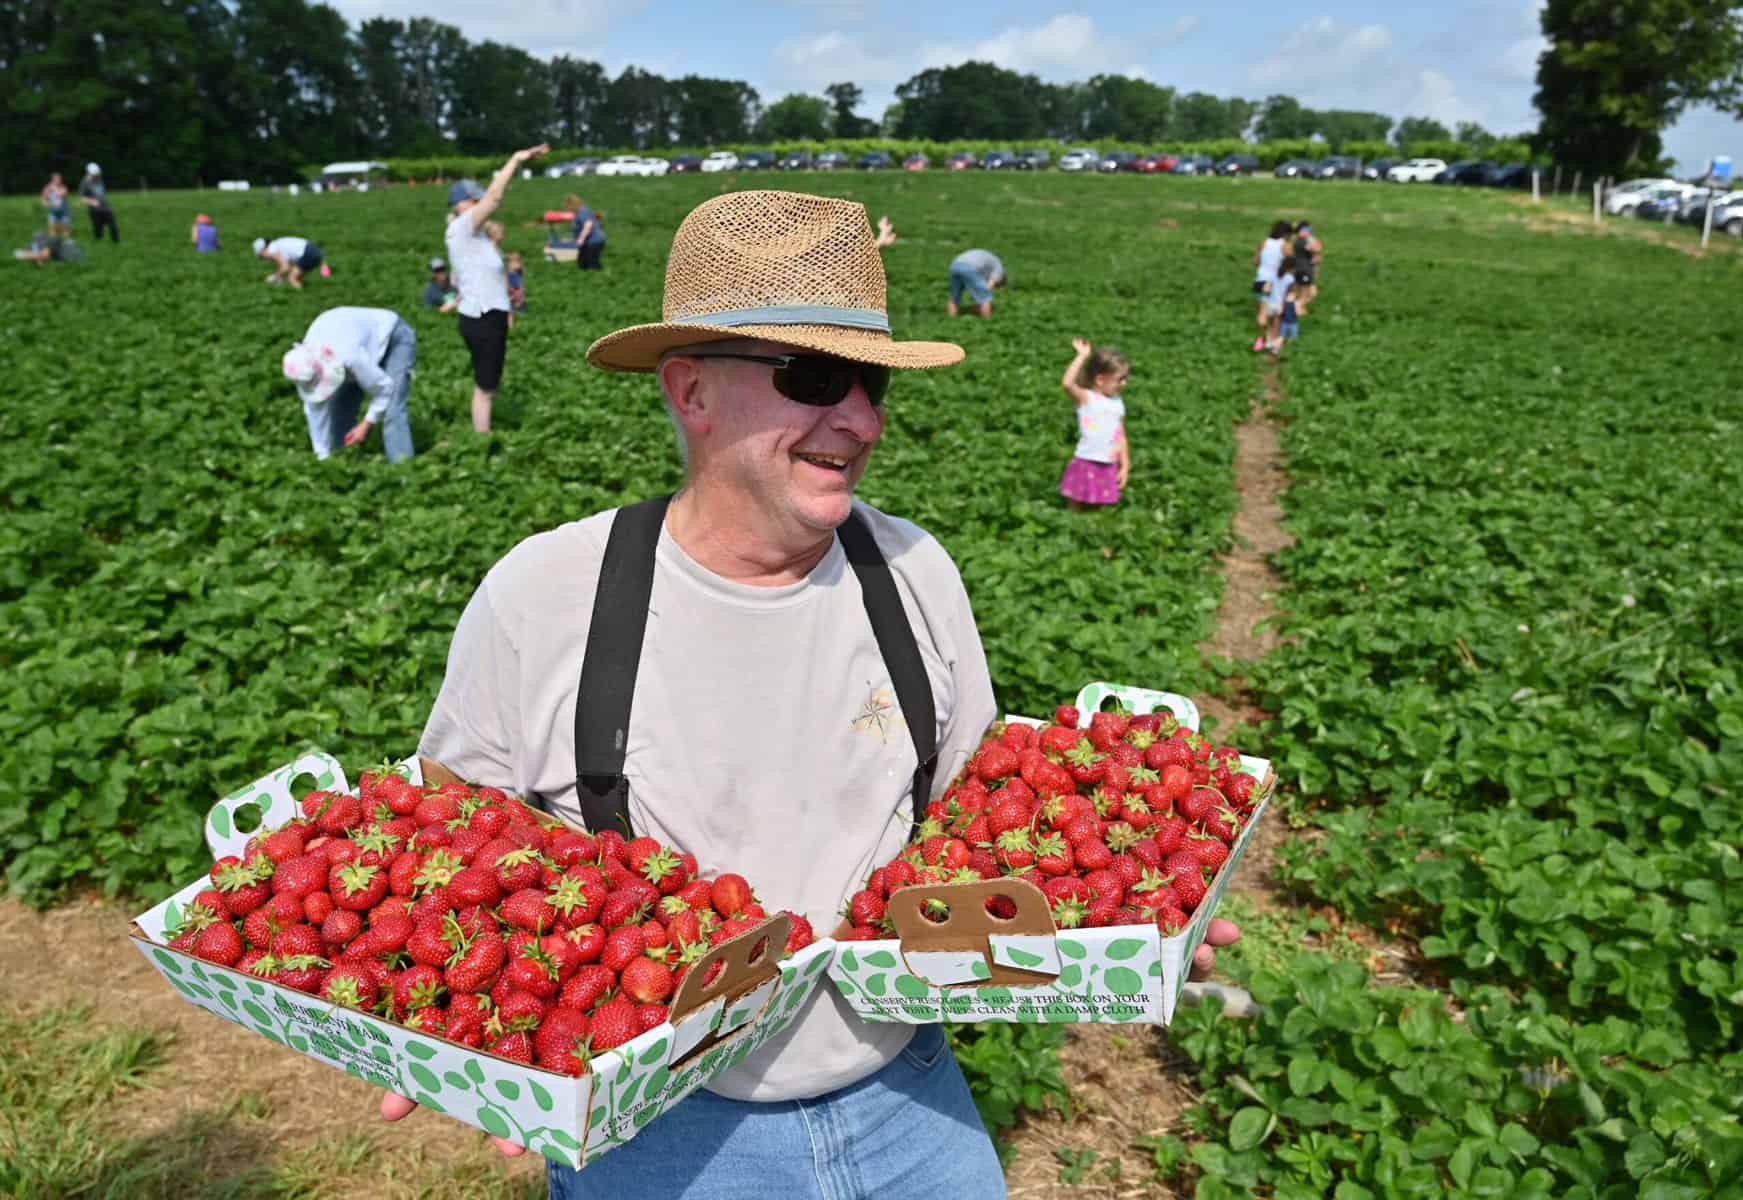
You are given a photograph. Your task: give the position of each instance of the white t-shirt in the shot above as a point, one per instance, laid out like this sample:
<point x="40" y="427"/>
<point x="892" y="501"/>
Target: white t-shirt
<point x="1099" y="420"/>
<point x="477" y="268"/>
<point x="288" y="248"/>
<point x="765" y="736"/>
<point x="1270" y="259"/>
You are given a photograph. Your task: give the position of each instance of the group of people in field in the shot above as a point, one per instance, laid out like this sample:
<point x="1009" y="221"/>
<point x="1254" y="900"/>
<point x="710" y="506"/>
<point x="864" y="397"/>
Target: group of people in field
<point x="1285" y="283"/>
<point x="58" y="244"/>
<point x="352" y="368"/>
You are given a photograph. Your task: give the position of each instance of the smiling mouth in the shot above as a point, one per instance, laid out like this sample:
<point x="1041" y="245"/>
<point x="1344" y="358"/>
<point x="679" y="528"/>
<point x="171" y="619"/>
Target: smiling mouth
<point x="828" y="462"/>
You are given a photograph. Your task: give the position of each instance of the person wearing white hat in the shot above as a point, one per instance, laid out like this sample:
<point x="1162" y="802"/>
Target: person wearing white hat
<point x="773" y="675"/>
<point x="346" y="354"/>
<point x="290" y="257"/>
<point x="94" y="196"/>
<point x="482" y="281"/>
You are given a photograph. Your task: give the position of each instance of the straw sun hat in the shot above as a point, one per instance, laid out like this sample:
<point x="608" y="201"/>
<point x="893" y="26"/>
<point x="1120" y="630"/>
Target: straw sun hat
<point x="779" y="266"/>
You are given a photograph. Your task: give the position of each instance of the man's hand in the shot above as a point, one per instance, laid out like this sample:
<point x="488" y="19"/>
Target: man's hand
<point x="395" y="1106"/>
<point x="358" y="432"/>
<point x="521" y="156"/>
<point x="1219" y="933"/>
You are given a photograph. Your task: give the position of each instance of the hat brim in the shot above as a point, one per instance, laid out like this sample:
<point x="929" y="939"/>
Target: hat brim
<point x="639" y="347"/>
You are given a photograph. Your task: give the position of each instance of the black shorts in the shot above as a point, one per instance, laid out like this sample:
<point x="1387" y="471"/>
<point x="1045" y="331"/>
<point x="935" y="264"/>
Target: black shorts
<point x="1260" y="287"/>
<point x="1304" y="278"/>
<point x="311" y="258"/>
<point x="487" y="338"/>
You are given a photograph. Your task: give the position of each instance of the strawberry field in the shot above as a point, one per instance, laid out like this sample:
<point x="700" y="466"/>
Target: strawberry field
<point x="1507" y="715"/>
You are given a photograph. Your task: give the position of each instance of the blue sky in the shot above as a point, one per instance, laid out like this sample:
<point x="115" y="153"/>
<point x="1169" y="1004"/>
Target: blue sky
<point x="1451" y="61"/>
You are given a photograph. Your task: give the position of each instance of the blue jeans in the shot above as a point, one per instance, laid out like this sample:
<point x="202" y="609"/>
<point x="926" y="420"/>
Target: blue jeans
<point x="909" y="1130"/>
<point x="330" y="422"/>
<point x="966" y="279"/>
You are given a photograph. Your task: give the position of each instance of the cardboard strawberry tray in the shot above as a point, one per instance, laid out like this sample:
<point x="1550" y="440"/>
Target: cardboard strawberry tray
<point x="970" y="965"/>
<point x="567" y="1119"/>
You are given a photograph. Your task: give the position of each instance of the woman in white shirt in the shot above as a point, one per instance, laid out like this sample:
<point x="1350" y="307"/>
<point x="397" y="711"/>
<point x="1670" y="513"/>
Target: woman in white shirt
<point x="1267" y="259"/>
<point x="477" y="271"/>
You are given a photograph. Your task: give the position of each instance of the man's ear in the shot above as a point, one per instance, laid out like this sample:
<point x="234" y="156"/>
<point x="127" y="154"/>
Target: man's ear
<point x="681" y="380"/>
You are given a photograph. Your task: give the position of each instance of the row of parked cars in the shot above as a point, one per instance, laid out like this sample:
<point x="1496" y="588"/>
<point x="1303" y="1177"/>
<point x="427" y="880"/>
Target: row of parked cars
<point x="1465" y="172"/>
<point x="726" y="160"/>
<point x="1668" y="200"/>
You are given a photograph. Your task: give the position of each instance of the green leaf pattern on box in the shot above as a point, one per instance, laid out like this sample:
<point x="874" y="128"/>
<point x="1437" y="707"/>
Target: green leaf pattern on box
<point x="272" y="793"/>
<point x="1137" y="699"/>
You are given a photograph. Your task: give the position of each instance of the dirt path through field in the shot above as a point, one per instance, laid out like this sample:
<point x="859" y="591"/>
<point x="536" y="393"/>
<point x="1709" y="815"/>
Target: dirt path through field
<point x="1127" y="1082"/>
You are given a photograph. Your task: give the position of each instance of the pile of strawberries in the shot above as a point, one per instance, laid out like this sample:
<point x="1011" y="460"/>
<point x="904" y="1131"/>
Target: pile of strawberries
<point x="1124" y="823"/>
<point x="466" y="914"/>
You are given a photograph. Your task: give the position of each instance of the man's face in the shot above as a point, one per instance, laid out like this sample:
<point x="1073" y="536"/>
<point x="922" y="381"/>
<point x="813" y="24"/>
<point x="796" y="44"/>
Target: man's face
<point x="797" y="463"/>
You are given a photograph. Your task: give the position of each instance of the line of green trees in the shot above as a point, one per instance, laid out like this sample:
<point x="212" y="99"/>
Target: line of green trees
<point x="180" y="91"/>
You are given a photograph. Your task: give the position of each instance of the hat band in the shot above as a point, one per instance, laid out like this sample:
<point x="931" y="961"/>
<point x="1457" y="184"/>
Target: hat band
<point x="792" y="314"/>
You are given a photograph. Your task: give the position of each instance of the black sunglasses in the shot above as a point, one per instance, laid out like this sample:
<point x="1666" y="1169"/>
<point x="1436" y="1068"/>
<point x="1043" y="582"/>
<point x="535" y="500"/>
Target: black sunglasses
<point x="818" y="380"/>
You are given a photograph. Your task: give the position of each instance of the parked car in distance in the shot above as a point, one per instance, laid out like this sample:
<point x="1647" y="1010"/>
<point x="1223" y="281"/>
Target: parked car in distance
<point x="755" y="160"/>
<point x="1377" y="169"/>
<point x="1335" y="166"/>
<point x="875" y="160"/>
<point x="720" y="160"/>
<point x="1473" y="175"/>
<point x="1195" y="164"/>
<point x="830" y="160"/>
<point x="1728" y="214"/>
<point x="962" y="160"/>
<point x="1238" y="164"/>
<point x="1034" y="160"/>
<point x="1620" y="203"/>
<point x="1454" y="170"/>
<point x="1637" y="185"/>
<point x="1416" y="170"/>
<point x="1658" y="207"/>
<point x="1079" y="158"/>
<point x="916" y="162"/>
<point x="1114" y="160"/>
<point x="686" y="164"/>
<point x="998" y="160"/>
<point x="797" y="160"/>
<point x="1693" y="208"/>
<point x="1147" y="164"/>
<point x="1166" y="162"/>
<point x="621" y="164"/>
<point x="1294" y="168"/>
<point x="1511" y="175"/>
<point x="574" y="166"/>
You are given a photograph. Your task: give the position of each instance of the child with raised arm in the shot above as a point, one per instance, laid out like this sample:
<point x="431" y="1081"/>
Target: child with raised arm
<point x="1102" y="462"/>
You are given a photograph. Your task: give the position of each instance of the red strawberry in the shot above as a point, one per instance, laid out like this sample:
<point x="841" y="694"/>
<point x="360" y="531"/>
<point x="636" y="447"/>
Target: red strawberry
<point x="259" y="928"/>
<point x="1240" y="789"/>
<point x="417" y="987"/>
<point x="402" y="873"/>
<point x="865" y="907"/>
<point x="729" y="894"/>
<point x="1210" y="851"/>
<point x="573" y="847"/>
<point x="1016" y="849"/>
<point x="517" y="1047"/>
<point x="357" y="887"/>
<point x="1176" y="782"/>
<point x="351" y="985"/>
<point x="1052" y="854"/>
<point x="466" y="1017"/>
<point x="646" y="981"/>
<point x="799" y="933"/>
<point x="1057" y="740"/>
<point x="1106" y="729"/>
<point x="428" y="1020"/>
<point x="1067" y="715"/>
<point x="1092" y="854"/>
<point x="1104" y="887"/>
<point x="1152" y="892"/>
<point x="219" y="943"/>
<point x="651" y="1016"/>
<point x="587" y="987"/>
<point x="561" y="1041"/>
<point x="1171" y="920"/>
<point x="300" y="875"/>
<point x="622" y="947"/>
<point x="1223" y="825"/>
<point x="995" y="762"/>
<point x="282" y="846"/>
<point x="298" y="940"/>
<point x="624" y="906"/>
<point x="533" y="972"/>
<point x="529" y="909"/>
<point x="436" y="808"/>
<point x="317" y="906"/>
<point x="1186" y="877"/>
<point x="476" y="969"/>
<point x="340" y="927"/>
<point x="1169" y="835"/>
<point x="614" y="1023"/>
<point x="588" y="940"/>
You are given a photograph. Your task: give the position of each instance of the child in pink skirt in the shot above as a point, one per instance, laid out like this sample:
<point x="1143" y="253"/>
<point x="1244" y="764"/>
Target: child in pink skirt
<point x="1098" y="470"/>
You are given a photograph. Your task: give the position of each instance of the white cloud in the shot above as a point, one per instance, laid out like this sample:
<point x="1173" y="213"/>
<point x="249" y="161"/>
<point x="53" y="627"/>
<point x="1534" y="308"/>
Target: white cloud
<point x="1437" y="97"/>
<point x="1322" y="51"/>
<point x="1518" y="62"/>
<point x="1182" y="29"/>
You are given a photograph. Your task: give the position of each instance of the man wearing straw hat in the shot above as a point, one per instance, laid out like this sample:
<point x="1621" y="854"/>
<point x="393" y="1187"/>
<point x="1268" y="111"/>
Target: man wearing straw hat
<point x="805" y="671"/>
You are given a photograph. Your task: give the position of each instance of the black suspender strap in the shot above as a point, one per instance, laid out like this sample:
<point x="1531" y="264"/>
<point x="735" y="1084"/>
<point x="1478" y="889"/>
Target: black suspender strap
<point x="614" y="647"/>
<point x="614" y="651"/>
<point x="889" y="622"/>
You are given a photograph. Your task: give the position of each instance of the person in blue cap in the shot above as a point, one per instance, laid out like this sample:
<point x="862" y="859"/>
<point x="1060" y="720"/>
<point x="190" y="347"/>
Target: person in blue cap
<point x="477" y="269"/>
